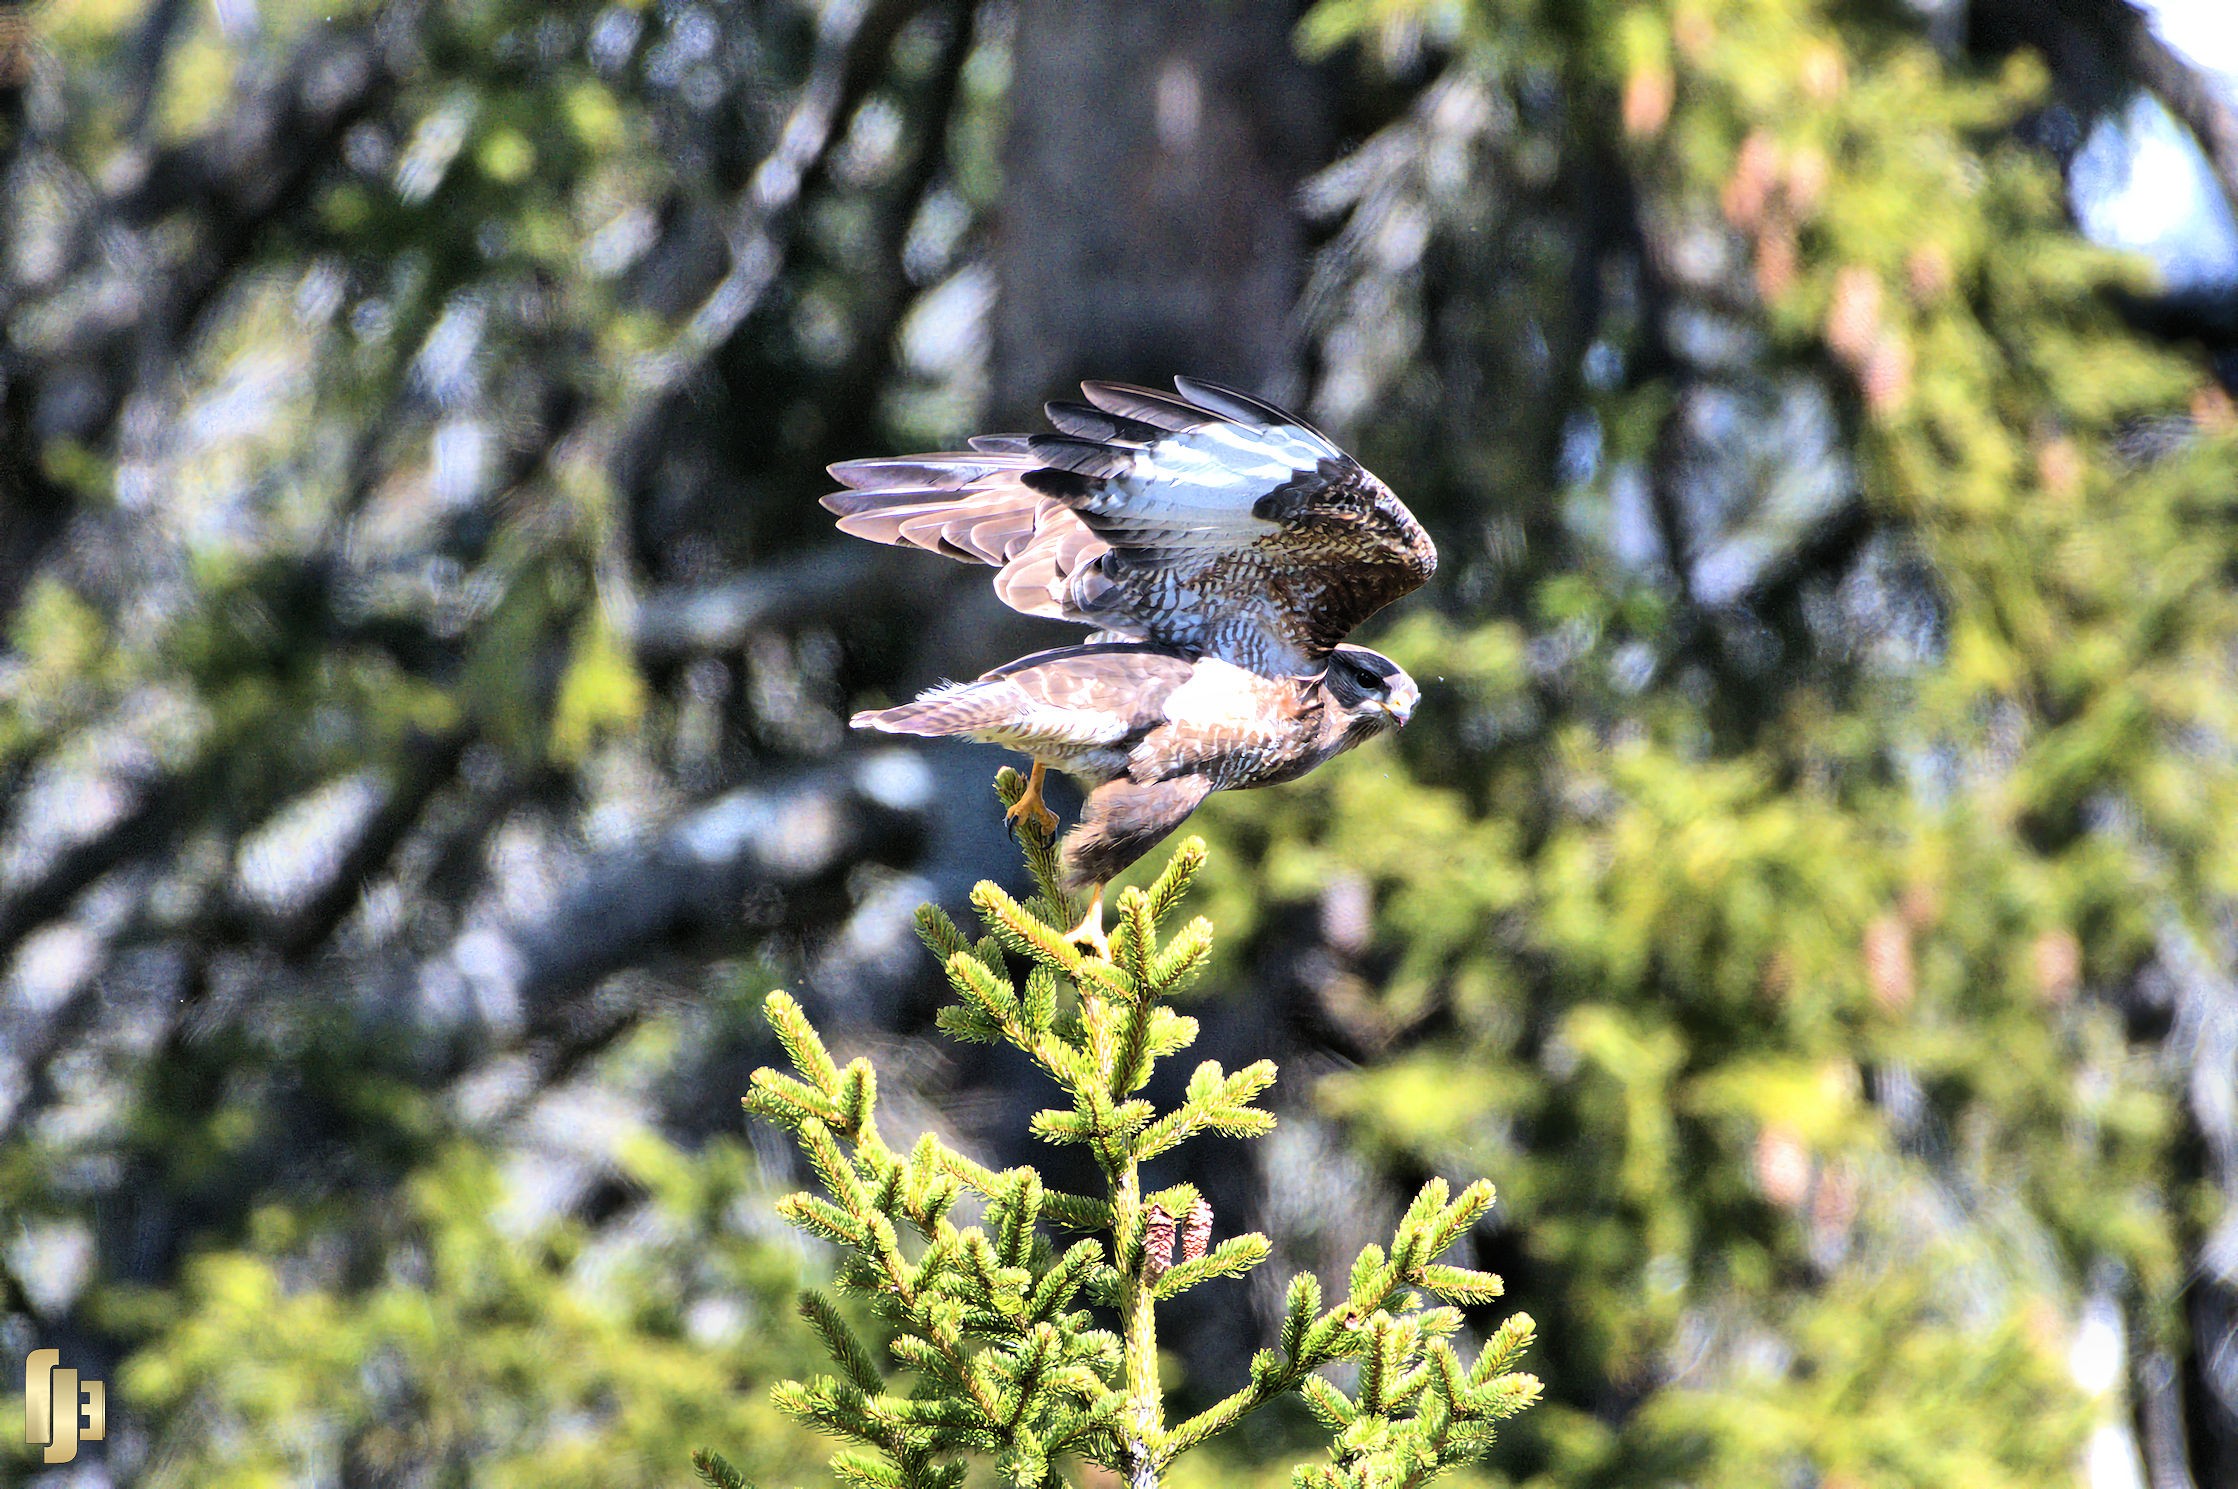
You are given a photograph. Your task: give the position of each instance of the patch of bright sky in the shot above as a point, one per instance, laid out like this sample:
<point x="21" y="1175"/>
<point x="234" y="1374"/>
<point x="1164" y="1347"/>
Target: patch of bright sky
<point x="2140" y="182"/>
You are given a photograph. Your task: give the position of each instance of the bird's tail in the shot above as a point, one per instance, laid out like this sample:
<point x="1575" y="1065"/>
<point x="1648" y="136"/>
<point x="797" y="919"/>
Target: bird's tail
<point x="953" y="708"/>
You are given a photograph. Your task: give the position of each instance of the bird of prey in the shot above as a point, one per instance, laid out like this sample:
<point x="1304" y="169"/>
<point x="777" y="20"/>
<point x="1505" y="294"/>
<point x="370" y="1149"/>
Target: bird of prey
<point x="1221" y="548"/>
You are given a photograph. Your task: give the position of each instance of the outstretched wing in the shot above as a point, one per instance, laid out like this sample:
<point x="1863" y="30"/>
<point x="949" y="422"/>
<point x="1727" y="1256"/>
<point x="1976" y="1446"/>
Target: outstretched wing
<point x="1203" y="519"/>
<point x="974" y="505"/>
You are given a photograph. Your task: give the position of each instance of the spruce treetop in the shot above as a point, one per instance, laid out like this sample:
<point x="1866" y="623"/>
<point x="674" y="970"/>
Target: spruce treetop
<point x="993" y="1341"/>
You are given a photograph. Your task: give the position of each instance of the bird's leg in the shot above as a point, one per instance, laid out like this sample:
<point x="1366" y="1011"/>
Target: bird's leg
<point x="1031" y="807"/>
<point x="1089" y="932"/>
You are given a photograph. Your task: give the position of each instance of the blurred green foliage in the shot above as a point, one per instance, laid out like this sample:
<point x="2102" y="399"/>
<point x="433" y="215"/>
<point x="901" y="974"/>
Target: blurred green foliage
<point x="496" y="1353"/>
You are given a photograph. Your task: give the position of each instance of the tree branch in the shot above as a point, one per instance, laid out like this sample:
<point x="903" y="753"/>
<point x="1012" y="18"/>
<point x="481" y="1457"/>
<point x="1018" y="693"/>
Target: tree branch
<point x="2098" y="50"/>
<point x="2197" y="103"/>
<point x="851" y="36"/>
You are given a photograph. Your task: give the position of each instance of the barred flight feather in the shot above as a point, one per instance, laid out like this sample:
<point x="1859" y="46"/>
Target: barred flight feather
<point x="1204" y="519"/>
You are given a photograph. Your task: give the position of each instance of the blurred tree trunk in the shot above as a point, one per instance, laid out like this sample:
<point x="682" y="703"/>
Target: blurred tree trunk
<point x="1150" y="223"/>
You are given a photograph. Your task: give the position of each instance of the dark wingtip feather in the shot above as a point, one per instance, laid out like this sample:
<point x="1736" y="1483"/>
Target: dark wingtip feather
<point x="1098" y="424"/>
<point x="1160" y="410"/>
<point x="1089" y="458"/>
<point x="1064" y="485"/>
<point x="1231" y="403"/>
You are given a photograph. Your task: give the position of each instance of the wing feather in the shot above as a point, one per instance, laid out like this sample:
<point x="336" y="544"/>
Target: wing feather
<point x="1241" y="407"/>
<point x="946" y="471"/>
<point x="991" y="529"/>
<point x="1099" y="424"/>
<point x="1162" y="410"/>
<point x="1205" y="519"/>
<point x="1084" y="457"/>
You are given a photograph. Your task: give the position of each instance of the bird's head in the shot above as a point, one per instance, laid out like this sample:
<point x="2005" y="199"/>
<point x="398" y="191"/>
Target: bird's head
<point x="1372" y="692"/>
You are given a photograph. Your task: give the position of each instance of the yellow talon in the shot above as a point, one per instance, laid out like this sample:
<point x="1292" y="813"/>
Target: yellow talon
<point x="1031" y="807"/>
<point x="1089" y="932"/>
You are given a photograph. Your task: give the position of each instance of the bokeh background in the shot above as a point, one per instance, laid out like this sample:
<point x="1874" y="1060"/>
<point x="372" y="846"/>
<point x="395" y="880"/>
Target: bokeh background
<point x="1807" y="889"/>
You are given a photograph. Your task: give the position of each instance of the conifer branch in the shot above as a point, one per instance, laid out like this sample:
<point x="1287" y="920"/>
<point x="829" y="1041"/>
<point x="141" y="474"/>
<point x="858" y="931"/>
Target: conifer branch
<point x="989" y="1318"/>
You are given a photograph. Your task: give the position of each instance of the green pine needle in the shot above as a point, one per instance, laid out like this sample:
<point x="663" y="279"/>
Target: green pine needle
<point x="996" y="1324"/>
<point x="716" y="1472"/>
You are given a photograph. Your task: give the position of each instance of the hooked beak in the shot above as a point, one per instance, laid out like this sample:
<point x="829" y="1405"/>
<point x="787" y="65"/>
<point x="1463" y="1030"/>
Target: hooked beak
<point x="1398" y="716"/>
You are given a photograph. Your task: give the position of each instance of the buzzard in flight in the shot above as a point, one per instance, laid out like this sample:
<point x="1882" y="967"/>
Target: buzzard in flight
<point x="1221" y="548"/>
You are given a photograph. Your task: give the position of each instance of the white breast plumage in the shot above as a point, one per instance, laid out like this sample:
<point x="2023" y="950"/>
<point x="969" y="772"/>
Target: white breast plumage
<point x="1220" y="695"/>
